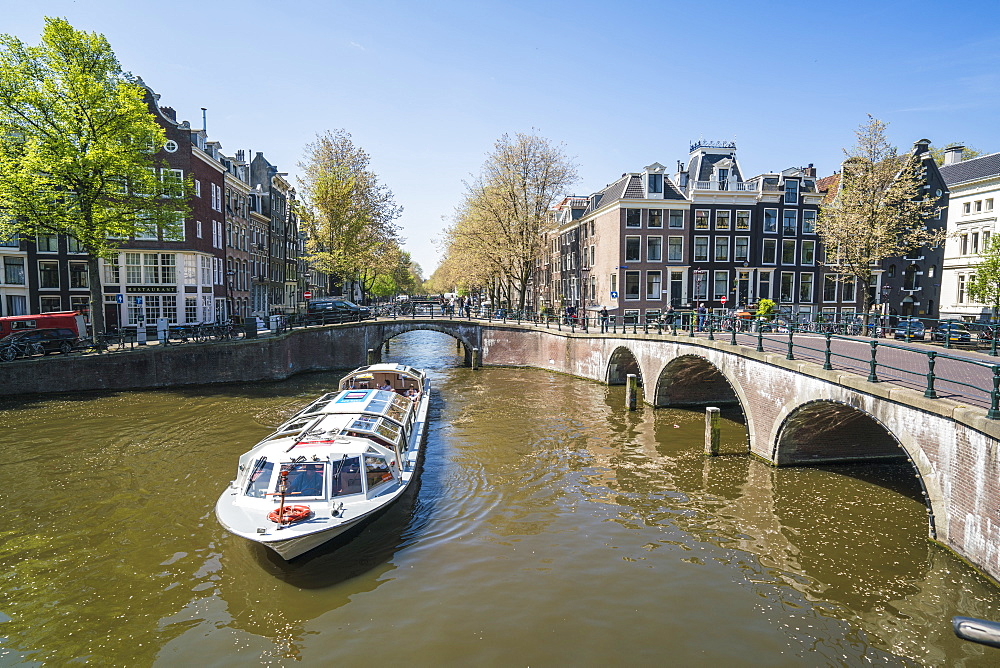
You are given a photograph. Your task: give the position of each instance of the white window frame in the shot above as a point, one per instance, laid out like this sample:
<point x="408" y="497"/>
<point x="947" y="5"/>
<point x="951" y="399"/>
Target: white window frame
<point x="649" y="255"/>
<point x="659" y="283"/>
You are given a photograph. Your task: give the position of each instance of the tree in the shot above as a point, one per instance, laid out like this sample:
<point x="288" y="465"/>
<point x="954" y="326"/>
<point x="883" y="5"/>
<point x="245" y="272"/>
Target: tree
<point x="878" y="212"/>
<point x="968" y="154"/>
<point x="506" y="208"/>
<point x="389" y="274"/>
<point x="985" y="285"/>
<point x="77" y="143"/>
<point x="348" y="215"/>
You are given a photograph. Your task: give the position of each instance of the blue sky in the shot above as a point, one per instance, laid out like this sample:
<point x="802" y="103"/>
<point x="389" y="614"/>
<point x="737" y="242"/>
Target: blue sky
<point x="427" y="87"/>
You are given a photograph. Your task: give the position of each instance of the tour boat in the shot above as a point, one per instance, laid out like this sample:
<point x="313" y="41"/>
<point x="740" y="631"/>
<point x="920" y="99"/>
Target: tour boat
<point x="332" y="465"/>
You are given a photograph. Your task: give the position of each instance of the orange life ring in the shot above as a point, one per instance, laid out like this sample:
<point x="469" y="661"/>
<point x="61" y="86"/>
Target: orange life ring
<point x="289" y="514"/>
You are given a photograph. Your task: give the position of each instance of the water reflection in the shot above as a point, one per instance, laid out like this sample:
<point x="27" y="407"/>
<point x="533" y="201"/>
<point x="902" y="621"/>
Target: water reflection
<point x="550" y="527"/>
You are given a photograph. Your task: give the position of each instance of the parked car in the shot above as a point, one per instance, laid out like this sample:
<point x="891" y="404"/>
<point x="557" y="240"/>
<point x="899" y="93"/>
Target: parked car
<point x="954" y="332"/>
<point x="335" y="307"/>
<point x="60" y="339"/>
<point x="910" y="329"/>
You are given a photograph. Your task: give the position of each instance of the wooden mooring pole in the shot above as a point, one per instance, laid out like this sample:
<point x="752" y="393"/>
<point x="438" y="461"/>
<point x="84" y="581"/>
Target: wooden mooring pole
<point x="631" y="390"/>
<point x="712" y="431"/>
<point x="372" y="358"/>
<point x="475" y="359"/>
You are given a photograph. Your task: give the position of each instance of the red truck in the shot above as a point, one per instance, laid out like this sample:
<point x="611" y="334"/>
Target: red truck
<point x="62" y="319"/>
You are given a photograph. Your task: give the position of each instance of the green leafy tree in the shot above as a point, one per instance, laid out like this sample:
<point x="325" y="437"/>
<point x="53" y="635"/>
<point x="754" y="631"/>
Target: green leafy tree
<point x="765" y="309"/>
<point x="347" y="214"/>
<point x="985" y="285"/>
<point x="77" y="146"/>
<point x="499" y="226"/>
<point x="880" y="210"/>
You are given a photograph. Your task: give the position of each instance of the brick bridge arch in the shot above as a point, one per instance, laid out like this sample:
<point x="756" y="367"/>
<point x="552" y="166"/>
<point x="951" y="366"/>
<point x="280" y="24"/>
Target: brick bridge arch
<point x="824" y="430"/>
<point x="621" y="363"/>
<point x="469" y="334"/>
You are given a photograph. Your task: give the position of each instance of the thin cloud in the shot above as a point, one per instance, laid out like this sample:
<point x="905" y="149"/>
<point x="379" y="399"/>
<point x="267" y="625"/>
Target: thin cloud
<point x="357" y="46"/>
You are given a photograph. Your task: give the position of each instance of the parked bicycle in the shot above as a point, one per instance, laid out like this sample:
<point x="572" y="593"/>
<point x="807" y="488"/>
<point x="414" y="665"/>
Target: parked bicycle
<point x="12" y="348"/>
<point x="113" y="341"/>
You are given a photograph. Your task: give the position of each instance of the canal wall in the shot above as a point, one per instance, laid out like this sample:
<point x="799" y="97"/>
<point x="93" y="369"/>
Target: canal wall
<point x="265" y="359"/>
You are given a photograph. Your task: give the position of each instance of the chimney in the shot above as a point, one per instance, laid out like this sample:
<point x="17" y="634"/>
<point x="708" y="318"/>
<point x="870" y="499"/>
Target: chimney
<point x="810" y="170"/>
<point x="953" y="153"/>
<point x="169" y="113"/>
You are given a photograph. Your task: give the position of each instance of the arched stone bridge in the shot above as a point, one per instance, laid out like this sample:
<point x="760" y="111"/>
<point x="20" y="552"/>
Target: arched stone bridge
<point x="796" y="412"/>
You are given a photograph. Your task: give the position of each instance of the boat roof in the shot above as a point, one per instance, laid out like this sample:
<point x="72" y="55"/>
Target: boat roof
<point x="385" y="367"/>
<point x="371" y="402"/>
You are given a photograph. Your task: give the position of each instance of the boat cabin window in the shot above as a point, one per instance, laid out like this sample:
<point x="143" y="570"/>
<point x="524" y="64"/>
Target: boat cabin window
<point x="304" y="480"/>
<point x="399" y="408"/>
<point x="378" y="429"/>
<point x="376" y="471"/>
<point x="259" y="478"/>
<point x="295" y="425"/>
<point x="346" y="477"/>
<point x="388" y="430"/>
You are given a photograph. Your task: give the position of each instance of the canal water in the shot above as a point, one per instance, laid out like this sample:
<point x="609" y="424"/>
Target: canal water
<point x="550" y="528"/>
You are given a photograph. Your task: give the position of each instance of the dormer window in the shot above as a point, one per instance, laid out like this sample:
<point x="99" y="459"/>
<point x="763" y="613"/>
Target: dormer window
<point x="791" y="192"/>
<point x="655" y="183"/>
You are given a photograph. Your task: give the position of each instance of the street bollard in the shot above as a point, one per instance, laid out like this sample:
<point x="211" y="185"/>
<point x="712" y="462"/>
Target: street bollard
<point x="712" y="431"/>
<point x="631" y="389"/>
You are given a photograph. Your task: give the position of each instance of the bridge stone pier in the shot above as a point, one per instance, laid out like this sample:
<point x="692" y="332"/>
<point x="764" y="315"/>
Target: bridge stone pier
<point x="799" y="414"/>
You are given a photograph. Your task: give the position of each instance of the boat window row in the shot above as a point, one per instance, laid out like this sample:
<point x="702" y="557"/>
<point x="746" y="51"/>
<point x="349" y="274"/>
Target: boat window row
<point x="308" y="480"/>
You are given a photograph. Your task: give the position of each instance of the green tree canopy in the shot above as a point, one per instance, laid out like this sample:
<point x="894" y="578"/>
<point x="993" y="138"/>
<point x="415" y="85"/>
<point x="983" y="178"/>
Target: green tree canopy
<point x="77" y="143"/>
<point x="347" y="214"/>
<point x="497" y="231"/>
<point x="985" y="285"/>
<point x="880" y="210"/>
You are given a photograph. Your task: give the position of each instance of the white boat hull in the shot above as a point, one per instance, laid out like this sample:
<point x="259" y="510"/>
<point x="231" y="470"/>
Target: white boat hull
<point x="247" y="518"/>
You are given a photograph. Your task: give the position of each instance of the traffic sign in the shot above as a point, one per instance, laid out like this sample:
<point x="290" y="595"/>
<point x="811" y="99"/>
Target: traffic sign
<point x="120" y="298"/>
<point x="614" y="294"/>
<point x="307" y="295"/>
<point x="138" y="301"/>
<point x="723" y="300"/>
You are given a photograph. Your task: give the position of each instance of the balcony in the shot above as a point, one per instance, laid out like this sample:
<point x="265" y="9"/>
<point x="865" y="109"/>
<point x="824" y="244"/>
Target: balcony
<point x="724" y="186"/>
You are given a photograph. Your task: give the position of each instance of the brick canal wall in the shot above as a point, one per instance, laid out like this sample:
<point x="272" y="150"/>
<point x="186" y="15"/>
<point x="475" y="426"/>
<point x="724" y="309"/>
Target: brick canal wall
<point x="272" y="358"/>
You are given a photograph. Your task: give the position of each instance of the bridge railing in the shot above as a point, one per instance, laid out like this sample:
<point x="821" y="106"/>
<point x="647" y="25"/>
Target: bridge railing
<point x="848" y="345"/>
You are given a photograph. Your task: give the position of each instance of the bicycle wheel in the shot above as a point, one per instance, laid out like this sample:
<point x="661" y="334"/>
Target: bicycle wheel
<point x="7" y="353"/>
<point x="236" y="332"/>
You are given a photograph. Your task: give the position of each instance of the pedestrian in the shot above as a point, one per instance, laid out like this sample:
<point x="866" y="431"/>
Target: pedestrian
<point x="670" y="315"/>
<point x="603" y="313"/>
<point x="702" y="314"/>
<point x="468" y="309"/>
